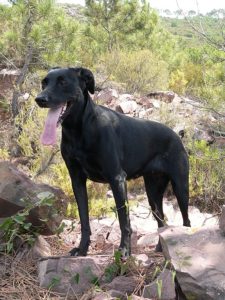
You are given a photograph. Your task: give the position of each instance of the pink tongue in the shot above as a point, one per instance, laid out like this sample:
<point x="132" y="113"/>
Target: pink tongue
<point x="48" y="136"/>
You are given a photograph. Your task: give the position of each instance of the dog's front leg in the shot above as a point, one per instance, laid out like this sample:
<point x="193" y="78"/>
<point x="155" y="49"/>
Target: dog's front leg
<point x="79" y="179"/>
<point x="118" y="186"/>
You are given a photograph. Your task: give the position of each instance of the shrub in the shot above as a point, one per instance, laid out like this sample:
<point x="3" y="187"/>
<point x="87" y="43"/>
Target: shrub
<point x="140" y="71"/>
<point x="99" y="205"/>
<point x="178" y="82"/>
<point x="207" y="178"/>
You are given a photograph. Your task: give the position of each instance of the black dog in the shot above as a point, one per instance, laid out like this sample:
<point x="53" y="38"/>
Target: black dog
<point x="106" y="146"/>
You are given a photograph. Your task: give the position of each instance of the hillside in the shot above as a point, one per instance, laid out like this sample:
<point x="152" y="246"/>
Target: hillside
<point x="145" y="66"/>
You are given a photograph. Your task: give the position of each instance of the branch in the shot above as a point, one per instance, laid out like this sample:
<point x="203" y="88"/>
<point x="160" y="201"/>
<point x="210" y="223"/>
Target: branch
<point x="201" y="32"/>
<point x="42" y="169"/>
<point x="19" y="82"/>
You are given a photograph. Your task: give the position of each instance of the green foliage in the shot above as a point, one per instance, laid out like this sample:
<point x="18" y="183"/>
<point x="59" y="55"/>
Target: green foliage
<point x="41" y="29"/>
<point x="119" y="267"/>
<point x="159" y="284"/>
<point x="99" y="205"/>
<point x="17" y="225"/>
<point x="31" y="120"/>
<point x="4" y="154"/>
<point x="139" y="71"/>
<point x="207" y="179"/>
<point x="121" y="22"/>
<point x="178" y="82"/>
<point x="54" y="282"/>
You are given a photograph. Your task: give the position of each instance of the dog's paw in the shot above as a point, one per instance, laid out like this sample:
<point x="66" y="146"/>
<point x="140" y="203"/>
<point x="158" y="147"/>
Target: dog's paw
<point x="77" y="252"/>
<point x="125" y="253"/>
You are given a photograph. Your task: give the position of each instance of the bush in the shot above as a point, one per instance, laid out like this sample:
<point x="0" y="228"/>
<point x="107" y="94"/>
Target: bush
<point x="30" y="124"/>
<point x="99" y="205"/>
<point x="178" y="82"/>
<point x="207" y="178"/>
<point x="139" y="71"/>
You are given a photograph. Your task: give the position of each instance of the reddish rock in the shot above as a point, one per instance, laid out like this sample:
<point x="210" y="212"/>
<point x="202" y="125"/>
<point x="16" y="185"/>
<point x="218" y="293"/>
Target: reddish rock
<point x="17" y="191"/>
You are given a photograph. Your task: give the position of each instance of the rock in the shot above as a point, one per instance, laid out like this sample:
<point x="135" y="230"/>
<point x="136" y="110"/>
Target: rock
<point x="109" y="194"/>
<point x="107" y="95"/>
<point x="145" y="102"/>
<point x="71" y="275"/>
<point x="134" y="297"/>
<point x="147" y="240"/>
<point x="117" y="295"/>
<point x="108" y="228"/>
<point x="156" y="103"/>
<point x="17" y="191"/>
<point x="197" y="257"/>
<point x="144" y="260"/>
<point x="222" y="220"/>
<point x="41" y="248"/>
<point x="123" y="284"/>
<point x="127" y="107"/>
<point x="203" y="135"/>
<point x="162" y="287"/>
<point x="166" y="96"/>
<point x="126" y="97"/>
<point x="177" y="100"/>
<point x="102" y="296"/>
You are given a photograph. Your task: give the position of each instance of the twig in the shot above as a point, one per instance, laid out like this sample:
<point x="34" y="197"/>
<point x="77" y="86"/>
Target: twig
<point x="42" y="169"/>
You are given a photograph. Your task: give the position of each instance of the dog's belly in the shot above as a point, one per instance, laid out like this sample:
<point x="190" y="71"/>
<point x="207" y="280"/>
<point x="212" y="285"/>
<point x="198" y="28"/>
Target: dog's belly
<point x="94" y="175"/>
<point x="92" y="169"/>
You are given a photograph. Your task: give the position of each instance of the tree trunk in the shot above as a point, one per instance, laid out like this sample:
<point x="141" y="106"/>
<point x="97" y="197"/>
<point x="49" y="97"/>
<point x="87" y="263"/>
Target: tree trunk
<point x="19" y="82"/>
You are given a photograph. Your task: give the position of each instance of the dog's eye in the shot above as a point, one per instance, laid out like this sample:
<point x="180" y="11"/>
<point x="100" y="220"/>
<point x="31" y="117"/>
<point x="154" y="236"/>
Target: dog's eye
<point x="62" y="81"/>
<point x="44" y="83"/>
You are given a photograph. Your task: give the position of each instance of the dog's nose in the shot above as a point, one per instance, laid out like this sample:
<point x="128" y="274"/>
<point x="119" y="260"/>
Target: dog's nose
<point x="41" y="99"/>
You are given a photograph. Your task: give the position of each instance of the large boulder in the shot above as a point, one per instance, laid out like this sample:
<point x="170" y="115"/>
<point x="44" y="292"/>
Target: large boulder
<point x="197" y="256"/>
<point x="18" y="191"/>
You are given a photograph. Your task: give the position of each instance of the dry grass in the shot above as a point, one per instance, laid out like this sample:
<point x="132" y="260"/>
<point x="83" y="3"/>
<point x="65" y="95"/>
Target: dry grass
<point x="19" y="280"/>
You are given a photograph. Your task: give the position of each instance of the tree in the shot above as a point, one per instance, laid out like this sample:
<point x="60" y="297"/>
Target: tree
<point x="192" y="13"/>
<point x="117" y="21"/>
<point x="35" y="33"/>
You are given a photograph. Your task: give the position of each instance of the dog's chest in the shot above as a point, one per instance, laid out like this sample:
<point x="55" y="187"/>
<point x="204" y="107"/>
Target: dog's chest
<point x="90" y="165"/>
<point x="89" y="162"/>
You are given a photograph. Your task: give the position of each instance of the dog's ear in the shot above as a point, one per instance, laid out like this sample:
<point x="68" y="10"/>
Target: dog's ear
<point x="88" y="77"/>
<point x="53" y="68"/>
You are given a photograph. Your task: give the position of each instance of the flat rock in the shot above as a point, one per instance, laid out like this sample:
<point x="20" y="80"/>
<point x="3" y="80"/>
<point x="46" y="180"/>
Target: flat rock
<point x="122" y="284"/>
<point x="197" y="256"/>
<point x="71" y="275"/>
<point x="166" y="290"/>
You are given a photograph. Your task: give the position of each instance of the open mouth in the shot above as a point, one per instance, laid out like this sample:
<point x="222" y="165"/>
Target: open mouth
<point x="55" y="117"/>
<point x="64" y="112"/>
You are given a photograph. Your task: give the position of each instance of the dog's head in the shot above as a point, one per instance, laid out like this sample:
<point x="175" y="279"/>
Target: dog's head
<point x="61" y="88"/>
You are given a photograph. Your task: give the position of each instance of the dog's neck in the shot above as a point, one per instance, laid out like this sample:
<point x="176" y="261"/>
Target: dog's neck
<point x="78" y="112"/>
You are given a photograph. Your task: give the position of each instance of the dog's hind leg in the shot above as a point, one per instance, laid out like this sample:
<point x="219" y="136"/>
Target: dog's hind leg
<point x="179" y="174"/>
<point x="181" y="191"/>
<point x="155" y="187"/>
